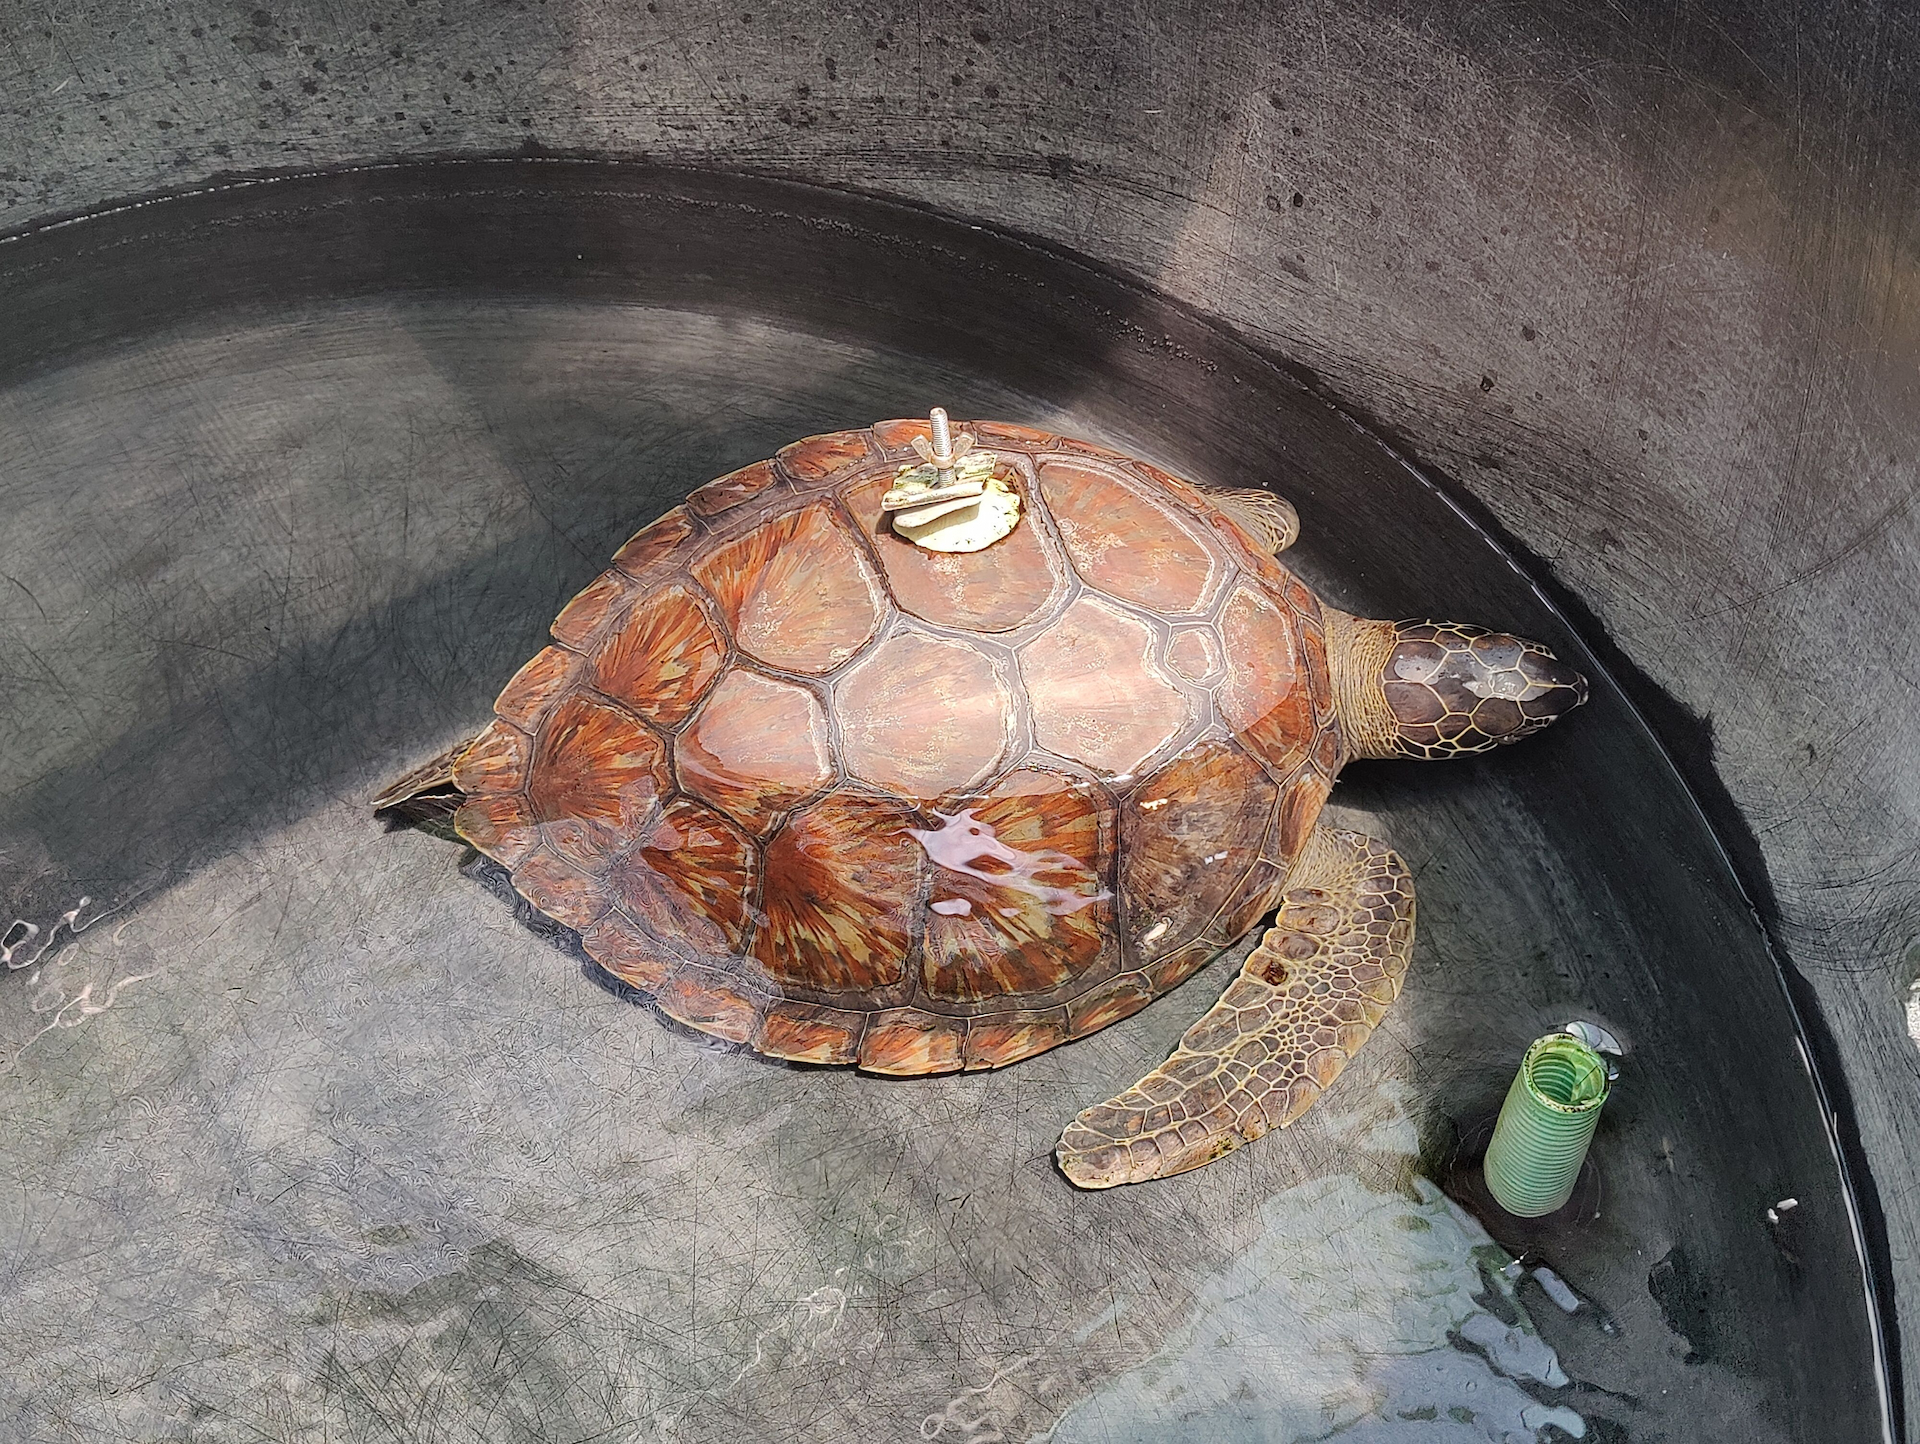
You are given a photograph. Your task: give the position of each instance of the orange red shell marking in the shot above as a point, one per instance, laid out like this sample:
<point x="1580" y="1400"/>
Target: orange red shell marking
<point x="660" y="660"/>
<point x="654" y="547"/>
<point x="583" y="617"/>
<point x="819" y="459"/>
<point x="907" y="1041"/>
<point x="596" y="771"/>
<point x="1189" y="834"/>
<point x="533" y="688"/>
<point x="841" y="895"/>
<point x="1017" y="904"/>
<point x="729" y="491"/>
<point x="688" y="877"/>
<point x="796" y="591"/>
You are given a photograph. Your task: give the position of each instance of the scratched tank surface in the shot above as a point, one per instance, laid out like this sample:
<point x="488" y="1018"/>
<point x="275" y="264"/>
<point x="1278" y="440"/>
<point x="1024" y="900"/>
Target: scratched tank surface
<point x="312" y="1132"/>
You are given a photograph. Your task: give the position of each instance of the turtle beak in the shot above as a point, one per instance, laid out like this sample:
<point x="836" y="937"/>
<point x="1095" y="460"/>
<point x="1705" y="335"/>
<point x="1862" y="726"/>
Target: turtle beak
<point x="1565" y="688"/>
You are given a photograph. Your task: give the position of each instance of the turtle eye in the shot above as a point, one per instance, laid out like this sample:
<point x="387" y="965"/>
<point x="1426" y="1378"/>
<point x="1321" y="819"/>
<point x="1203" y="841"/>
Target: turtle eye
<point x="1457" y="689"/>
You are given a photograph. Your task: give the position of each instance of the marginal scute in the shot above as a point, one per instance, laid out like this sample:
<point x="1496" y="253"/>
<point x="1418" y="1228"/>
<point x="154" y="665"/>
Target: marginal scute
<point x="688" y="876"/>
<point x="617" y="944"/>
<point x="809" y="1032"/>
<point x="1189" y="835"/>
<point x="496" y="761"/>
<point x="729" y="491"/>
<point x="997" y="1039"/>
<point x="1328" y="752"/>
<point x="922" y="715"/>
<point x="1299" y="810"/>
<point x="500" y="827"/>
<point x="906" y="1042"/>
<point x="1299" y="597"/>
<point x="841" y="895"/>
<point x="1006" y="433"/>
<point x="660" y="660"/>
<point x="995" y="590"/>
<point x="654" y="548"/>
<point x="571" y="897"/>
<point x="1253" y="897"/>
<point x="1179" y="965"/>
<point x="1109" y="1003"/>
<point x="711" y="1001"/>
<point x="1096" y="694"/>
<point x="1124" y="543"/>
<point x="1016" y="903"/>
<point x="758" y="747"/>
<point x="796" y="591"/>
<point x="1196" y="497"/>
<point x="819" y="459"/>
<point x="1265" y="698"/>
<point x="899" y="435"/>
<point x="1080" y="446"/>
<point x="534" y="687"/>
<point x="581" y="620"/>
<point x="1313" y="646"/>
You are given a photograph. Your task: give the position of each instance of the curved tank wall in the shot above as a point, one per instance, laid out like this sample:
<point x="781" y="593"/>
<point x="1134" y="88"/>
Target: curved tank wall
<point x="1638" y="286"/>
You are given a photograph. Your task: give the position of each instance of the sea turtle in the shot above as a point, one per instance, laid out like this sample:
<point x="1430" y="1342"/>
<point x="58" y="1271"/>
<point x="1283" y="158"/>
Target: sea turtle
<point x="845" y="797"/>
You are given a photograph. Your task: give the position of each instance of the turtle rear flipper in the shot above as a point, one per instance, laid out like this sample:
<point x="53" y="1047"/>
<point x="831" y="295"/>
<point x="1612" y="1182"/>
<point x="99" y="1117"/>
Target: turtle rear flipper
<point x="427" y="796"/>
<point x="1305" y="1000"/>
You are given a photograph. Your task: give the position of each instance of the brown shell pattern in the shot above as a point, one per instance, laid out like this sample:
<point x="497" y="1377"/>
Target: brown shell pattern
<point x="844" y="800"/>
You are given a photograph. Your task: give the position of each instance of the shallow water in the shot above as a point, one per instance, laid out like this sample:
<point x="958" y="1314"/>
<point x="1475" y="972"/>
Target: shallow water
<point x="1356" y="1315"/>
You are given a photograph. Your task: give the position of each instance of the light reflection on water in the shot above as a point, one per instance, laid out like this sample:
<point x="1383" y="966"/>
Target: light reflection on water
<point x="1356" y="1315"/>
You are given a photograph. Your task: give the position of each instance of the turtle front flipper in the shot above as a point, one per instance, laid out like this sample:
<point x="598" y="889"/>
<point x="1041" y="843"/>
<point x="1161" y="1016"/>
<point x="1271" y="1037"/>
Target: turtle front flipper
<point x="1305" y="1000"/>
<point x="1268" y="519"/>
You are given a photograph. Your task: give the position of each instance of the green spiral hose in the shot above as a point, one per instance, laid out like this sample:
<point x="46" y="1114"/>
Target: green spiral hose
<point x="1546" y="1124"/>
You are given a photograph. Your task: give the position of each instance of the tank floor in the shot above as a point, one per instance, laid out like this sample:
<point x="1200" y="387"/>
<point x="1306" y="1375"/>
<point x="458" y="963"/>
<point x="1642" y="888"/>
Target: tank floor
<point x="311" y="1135"/>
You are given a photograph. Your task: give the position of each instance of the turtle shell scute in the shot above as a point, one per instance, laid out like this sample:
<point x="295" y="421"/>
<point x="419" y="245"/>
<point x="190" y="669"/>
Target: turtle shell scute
<point x="1190" y="834"/>
<point x="734" y="489"/>
<point x="689" y="877"/>
<point x="661" y="658"/>
<point x="1126" y="543"/>
<point x="597" y="772"/>
<point x="1018" y="903"/>
<point x="909" y="1041"/>
<point x="818" y="460"/>
<point x="841" y="896"/>
<point x="658" y="547"/>
<point x="760" y="746"/>
<point x="796" y="591"/>
<point x="583" y="618"/>
<point x="533" y="689"/>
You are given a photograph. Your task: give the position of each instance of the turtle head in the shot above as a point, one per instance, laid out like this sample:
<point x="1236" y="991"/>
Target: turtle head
<point x="1441" y="689"/>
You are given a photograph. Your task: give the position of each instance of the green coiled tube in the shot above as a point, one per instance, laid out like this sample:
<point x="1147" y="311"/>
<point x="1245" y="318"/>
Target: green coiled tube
<point x="1546" y="1124"/>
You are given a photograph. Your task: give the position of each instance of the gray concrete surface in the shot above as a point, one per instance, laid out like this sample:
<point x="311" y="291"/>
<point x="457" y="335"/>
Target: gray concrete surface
<point x="1640" y="279"/>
